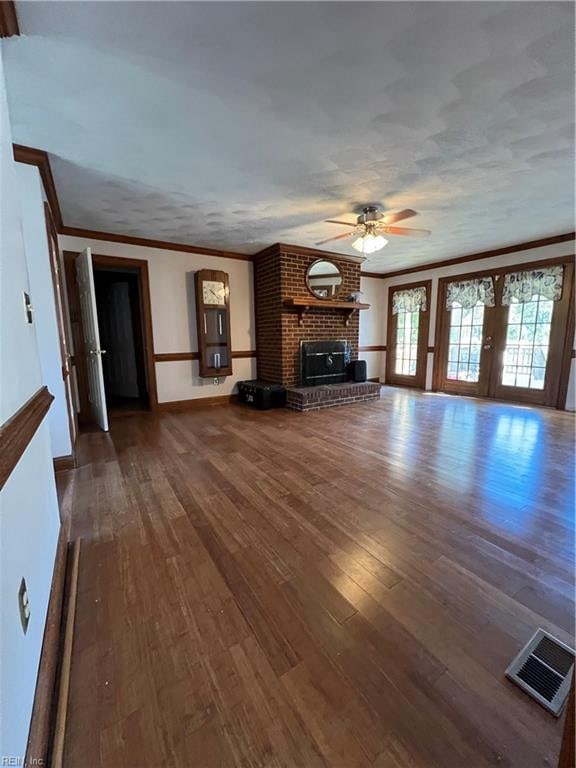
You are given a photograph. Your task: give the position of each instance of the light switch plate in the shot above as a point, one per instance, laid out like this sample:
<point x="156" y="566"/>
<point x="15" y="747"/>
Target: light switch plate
<point x="24" y="605"/>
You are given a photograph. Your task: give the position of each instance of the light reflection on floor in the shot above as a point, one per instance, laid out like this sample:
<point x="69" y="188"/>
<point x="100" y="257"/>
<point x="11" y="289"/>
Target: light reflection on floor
<point x="514" y="454"/>
<point x="496" y="450"/>
<point x="460" y="419"/>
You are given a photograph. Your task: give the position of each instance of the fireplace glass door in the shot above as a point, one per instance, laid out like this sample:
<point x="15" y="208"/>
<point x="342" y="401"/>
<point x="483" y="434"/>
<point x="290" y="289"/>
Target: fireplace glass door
<point x="324" y="362"/>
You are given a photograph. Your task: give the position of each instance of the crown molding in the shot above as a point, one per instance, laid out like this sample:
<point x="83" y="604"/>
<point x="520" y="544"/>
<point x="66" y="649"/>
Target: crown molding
<point x="8" y="19"/>
<point x="377" y="275"/>
<point x="527" y="246"/>
<point x="144" y="242"/>
<point x="39" y="158"/>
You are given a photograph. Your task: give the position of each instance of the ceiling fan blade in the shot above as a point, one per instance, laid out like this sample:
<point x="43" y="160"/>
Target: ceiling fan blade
<point x="406" y="231"/>
<point x="338" y="237"/>
<point x="346" y="223"/>
<point x="392" y="218"/>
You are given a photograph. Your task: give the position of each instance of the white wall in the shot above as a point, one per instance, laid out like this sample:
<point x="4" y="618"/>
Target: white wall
<point x="29" y="521"/>
<point x="372" y="323"/>
<point x="42" y="294"/>
<point x="173" y="314"/>
<point x="510" y="259"/>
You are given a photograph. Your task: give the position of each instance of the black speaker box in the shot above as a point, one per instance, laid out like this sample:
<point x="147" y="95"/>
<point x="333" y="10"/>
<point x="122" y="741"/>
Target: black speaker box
<point x="358" y="370"/>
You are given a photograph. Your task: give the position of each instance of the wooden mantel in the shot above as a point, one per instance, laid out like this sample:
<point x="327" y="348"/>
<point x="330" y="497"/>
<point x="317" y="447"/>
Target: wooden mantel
<point x="303" y="305"/>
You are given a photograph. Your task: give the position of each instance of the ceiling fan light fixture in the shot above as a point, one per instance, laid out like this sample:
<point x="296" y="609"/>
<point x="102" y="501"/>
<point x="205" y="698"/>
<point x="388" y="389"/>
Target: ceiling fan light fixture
<point x="369" y="243"/>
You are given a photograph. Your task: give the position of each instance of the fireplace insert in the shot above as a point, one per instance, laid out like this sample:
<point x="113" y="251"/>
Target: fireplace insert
<point x="324" y="362"/>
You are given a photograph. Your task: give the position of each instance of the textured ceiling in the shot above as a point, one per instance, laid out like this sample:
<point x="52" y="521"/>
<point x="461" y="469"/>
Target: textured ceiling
<point x="236" y="125"/>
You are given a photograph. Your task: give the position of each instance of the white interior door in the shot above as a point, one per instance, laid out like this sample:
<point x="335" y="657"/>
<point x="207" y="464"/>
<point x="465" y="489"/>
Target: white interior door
<point x="96" y="392"/>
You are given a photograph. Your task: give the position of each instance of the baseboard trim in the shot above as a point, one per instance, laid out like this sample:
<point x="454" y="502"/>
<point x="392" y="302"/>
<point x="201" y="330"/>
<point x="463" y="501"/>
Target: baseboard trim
<point x="175" y="406"/>
<point x="62" y="463"/>
<point x="43" y="709"/>
<point x="376" y="379"/>
<point x="57" y="752"/>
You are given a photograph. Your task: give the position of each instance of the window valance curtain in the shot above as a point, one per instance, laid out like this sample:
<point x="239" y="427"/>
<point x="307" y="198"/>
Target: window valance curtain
<point x="468" y="293"/>
<point x="522" y="286"/>
<point x="409" y="300"/>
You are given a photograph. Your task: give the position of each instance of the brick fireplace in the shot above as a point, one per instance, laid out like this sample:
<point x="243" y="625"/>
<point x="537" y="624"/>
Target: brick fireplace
<point x="280" y="276"/>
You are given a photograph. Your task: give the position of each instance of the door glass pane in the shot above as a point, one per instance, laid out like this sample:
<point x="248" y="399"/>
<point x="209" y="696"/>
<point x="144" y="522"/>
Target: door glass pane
<point x="527" y="341"/>
<point x="465" y="344"/>
<point x="406" y="355"/>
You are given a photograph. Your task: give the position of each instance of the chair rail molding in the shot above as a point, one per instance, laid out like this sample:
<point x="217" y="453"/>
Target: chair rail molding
<point x="18" y="431"/>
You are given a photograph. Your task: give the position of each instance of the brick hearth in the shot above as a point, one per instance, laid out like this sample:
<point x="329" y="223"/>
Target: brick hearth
<point x="329" y="395"/>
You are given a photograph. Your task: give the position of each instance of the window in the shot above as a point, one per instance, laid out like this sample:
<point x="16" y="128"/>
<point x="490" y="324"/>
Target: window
<point x="465" y="342"/>
<point x="406" y="357"/>
<point x="527" y="343"/>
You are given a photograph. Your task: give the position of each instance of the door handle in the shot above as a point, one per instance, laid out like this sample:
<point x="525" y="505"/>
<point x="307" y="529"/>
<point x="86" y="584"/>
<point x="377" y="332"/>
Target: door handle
<point x="487" y="346"/>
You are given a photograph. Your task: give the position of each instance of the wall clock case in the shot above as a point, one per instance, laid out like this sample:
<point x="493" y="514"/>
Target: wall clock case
<point x="213" y="323"/>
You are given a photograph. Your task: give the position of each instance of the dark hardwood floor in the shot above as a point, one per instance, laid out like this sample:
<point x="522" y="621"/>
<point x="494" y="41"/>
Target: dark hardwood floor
<point x="342" y="588"/>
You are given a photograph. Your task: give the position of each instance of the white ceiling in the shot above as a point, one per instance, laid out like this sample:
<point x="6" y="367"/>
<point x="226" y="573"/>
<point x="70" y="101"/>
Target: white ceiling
<point x="236" y="125"/>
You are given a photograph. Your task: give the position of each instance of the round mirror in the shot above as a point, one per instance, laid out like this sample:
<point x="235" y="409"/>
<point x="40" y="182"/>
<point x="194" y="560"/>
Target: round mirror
<point x="323" y="279"/>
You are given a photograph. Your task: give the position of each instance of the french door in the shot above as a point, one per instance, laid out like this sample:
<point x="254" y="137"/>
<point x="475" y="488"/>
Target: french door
<point x="407" y="342"/>
<point x="503" y="347"/>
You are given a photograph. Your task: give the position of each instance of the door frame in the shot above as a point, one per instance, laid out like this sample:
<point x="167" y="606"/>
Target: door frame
<point x="564" y="343"/>
<point x="118" y="262"/>
<point x="465" y="388"/>
<point x="395" y="379"/>
<point x="63" y="337"/>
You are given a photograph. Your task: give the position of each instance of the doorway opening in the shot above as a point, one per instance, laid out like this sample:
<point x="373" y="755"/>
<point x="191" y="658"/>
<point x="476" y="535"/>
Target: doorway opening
<point x="111" y="326"/>
<point x="121" y="328"/>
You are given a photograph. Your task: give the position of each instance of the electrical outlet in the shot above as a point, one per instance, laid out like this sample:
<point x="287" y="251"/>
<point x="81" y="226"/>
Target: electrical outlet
<point x="24" y="605"/>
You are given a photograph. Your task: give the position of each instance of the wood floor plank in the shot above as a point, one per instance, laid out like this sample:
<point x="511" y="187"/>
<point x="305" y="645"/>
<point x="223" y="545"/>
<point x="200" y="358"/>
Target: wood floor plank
<point x="325" y="590"/>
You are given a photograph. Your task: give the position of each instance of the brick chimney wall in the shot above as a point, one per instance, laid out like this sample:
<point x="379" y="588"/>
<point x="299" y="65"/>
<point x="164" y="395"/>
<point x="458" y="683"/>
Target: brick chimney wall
<point x="281" y="275"/>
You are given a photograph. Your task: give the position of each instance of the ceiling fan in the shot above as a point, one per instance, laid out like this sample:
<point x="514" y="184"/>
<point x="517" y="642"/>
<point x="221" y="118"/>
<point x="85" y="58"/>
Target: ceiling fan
<point x="370" y="227"/>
